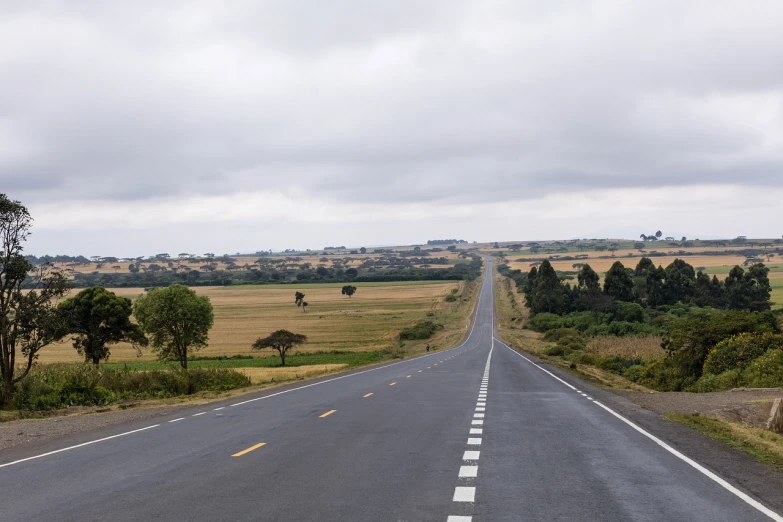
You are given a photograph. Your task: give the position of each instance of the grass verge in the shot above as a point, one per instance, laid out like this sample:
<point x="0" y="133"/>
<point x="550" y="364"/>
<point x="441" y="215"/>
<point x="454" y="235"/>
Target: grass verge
<point x="764" y="446"/>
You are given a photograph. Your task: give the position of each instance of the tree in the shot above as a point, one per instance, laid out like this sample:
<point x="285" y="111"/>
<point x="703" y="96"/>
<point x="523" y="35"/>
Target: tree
<point x="363" y="250"/>
<point x="281" y="340"/>
<point x="29" y="320"/>
<point x="299" y="300"/>
<point x="351" y="272"/>
<point x="349" y="290"/>
<point x="177" y="319"/>
<point x="548" y="294"/>
<point x="97" y="318"/>
<point x="588" y="279"/>
<point x="618" y="283"/>
<point x="680" y="282"/>
<point x="658" y="234"/>
<point x="748" y="290"/>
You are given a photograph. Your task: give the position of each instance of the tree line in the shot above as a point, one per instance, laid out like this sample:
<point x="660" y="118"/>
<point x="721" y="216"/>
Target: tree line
<point x="647" y="285"/>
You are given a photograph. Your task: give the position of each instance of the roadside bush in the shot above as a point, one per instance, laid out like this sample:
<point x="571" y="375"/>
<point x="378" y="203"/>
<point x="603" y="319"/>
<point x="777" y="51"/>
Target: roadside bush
<point x="738" y="351"/>
<point x="765" y="371"/>
<point x="586" y="358"/>
<point x="450" y="298"/>
<point x="573" y="342"/>
<point x="421" y="330"/>
<point x="621" y="329"/>
<point x="690" y="338"/>
<point x="558" y="333"/>
<point x="60" y="386"/>
<point x="634" y="373"/>
<point x="712" y="383"/>
<point x="558" y="351"/>
<point x="664" y="376"/>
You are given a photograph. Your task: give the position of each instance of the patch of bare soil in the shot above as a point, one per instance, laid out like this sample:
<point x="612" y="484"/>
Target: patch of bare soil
<point x="749" y="406"/>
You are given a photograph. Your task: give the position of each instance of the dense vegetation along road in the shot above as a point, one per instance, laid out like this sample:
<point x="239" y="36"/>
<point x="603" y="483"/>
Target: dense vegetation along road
<point x="478" y="433"/>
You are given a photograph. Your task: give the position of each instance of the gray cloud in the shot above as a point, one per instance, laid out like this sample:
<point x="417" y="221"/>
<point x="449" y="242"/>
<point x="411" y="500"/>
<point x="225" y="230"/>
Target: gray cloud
<point x="386" y="101"/>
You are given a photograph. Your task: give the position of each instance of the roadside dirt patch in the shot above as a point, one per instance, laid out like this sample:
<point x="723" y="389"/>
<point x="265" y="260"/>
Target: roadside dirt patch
<point x="749" y="406"/>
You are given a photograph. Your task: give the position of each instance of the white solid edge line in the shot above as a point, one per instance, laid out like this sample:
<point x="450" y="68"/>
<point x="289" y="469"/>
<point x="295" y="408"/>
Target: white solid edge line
<point x="78" y="446"/>
<point x="709" y="474"/>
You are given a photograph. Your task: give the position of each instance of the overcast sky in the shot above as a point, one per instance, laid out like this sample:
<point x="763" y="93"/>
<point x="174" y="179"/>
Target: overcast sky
<point x="132" y="128"/>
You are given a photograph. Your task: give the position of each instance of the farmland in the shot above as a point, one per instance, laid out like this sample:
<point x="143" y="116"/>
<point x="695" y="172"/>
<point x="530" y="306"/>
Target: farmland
<point x="370" y="321"/>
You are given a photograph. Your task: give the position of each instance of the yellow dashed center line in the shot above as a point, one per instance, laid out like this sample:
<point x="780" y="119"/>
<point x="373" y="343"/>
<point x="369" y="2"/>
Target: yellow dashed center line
<point x="419" y="371"/>
<point x="248" y="450"/>
<point x="408" y="377"/>
<point x="392" y="384"/>
<point x="365" y="396"/>
<point x="327" y="414"/>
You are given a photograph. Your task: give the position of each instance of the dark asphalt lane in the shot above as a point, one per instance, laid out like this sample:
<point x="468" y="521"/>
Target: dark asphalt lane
<point x="545" y="453"/>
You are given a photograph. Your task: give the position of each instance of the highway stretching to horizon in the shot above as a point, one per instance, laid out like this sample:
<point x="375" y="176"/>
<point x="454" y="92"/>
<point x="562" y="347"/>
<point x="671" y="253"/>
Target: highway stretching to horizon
<point x="479" y="432"/>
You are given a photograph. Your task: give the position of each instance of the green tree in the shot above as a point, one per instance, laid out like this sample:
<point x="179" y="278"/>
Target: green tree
<point x="281" y="340"/>
<point x="548" y="294"/>
<point x="644" y="267"/>
<point x="29" y="320"/>
<point x="588" y="279"/>
<point x="349" y="290"/>
<point x="680" y="282"/>
<point x="658" y="234"/>
<point x="748" y="290"/>
<point x="97" y="318"/>
<point x="618" y="283"/>
<point x="351" y="272"/>
<point x="529" y="285"/>
<point x="177" y="319"/>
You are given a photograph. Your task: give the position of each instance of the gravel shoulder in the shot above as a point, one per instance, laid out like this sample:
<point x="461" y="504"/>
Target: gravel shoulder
<point x="750" y="406"/>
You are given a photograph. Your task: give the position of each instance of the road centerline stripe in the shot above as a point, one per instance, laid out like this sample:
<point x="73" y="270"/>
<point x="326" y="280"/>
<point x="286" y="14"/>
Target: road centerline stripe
<point x="368" y="395"/>
<point x="326" y="414"/>
<point x="248" y="450"/>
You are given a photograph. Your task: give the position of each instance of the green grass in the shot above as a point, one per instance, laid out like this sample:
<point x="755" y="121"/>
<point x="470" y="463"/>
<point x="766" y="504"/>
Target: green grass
<point x="756" y="444"/>
<point x="352" y="359"/>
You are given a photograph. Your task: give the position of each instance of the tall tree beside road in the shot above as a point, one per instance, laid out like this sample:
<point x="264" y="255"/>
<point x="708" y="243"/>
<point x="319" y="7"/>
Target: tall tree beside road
<point x="29" y="319"/>
<point x="349" y="290"/>
<point x="177" y="319"/>
<point x="97" y="318"/>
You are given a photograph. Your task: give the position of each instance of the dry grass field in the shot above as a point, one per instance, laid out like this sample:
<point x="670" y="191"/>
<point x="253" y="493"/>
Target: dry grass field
<point x="368" y="321"/>
<point x="280" y="374"/>
<point x="646" y="348"/>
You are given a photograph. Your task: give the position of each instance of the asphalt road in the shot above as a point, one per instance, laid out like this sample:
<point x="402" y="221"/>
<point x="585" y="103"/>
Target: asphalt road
<point x="478" y="432"/>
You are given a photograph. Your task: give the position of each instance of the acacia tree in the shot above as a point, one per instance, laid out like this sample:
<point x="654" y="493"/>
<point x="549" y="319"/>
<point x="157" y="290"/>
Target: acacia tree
<point x="349" y="290"/>
<point x="96" y="318"/>
<point x="28" y="318"/>
<point x="177" y="319"/>
<point x="299" y="300"/>
<point x="281" y="340"/>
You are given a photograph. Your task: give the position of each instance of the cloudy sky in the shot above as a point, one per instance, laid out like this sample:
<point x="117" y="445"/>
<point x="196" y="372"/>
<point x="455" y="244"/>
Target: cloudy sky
<point x="131" y="128"/>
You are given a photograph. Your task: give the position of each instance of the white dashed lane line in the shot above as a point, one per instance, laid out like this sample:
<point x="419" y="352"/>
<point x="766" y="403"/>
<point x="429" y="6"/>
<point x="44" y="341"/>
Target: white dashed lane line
<point x="469" y="473"/>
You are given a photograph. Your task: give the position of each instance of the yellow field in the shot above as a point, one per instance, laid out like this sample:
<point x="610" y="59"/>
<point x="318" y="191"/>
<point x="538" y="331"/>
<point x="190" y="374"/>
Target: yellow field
<point x="370" y="320"/>
<point x="279" y="374"/>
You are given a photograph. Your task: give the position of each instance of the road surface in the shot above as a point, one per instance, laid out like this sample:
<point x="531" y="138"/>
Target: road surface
<point x="475" y="433"/>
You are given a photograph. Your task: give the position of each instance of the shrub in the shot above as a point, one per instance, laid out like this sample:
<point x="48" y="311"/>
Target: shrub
<point x="738" y="351"/>
<point x="572" y="342"/>
<point x="558" y="351"/>
<point x="690" y="338"/>
<point x="450" y="298"/>
<point x="628" y="312"/>
<point x="765" y="371"/>
<point x="59" y="386"/>
<point x="634" y="373"/>
<point x="558" y="333"/>
<point x="421" y="330"/>
<point x="711" y="383"/>
<point x="663" y="376"/>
